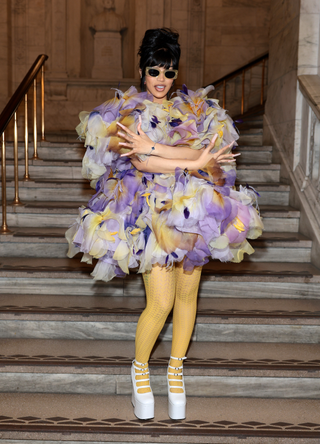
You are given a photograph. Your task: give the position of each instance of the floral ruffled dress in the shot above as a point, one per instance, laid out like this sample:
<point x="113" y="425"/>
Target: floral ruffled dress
<point x="138" y="219"/>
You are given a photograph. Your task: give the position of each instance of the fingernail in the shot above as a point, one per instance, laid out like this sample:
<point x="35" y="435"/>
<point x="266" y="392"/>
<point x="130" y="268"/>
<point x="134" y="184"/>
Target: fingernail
<point x="235" y="155"/>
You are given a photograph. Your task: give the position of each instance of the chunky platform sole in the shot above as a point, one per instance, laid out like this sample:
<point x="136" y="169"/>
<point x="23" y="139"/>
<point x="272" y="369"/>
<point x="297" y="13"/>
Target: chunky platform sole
<point x="143" y="403"/>
<point x="177" y="411"/>
<point x="176" y="401"/>
<point x="142" y="410"/>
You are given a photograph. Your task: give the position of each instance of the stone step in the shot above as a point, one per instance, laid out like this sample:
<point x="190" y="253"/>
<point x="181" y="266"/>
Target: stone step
<point x="248" y="124"/>
<point x="252" y="131"/>
<point x="272" y="193"/>
<point x="109" y="418"/>
<point x="63" y="275"/>
<point x="52" y="190"/>
<point x="62" y="214"/>
<point x="220" y="358"/>
<point x="254" y="154"/>
<point x="50" y="150"/>
<point x="72" y="170"/>
<point x="94" y="328"/>
<point x="278" y="218"/>
<point x="55" y="169"/>
<point x="107" y="380"/>
<point x="258" y="173"/>
<point x="265" y="282"/>
<point x="251" y="139"/>
<point x="281" y="321"/>
<point x="51" y="242"/>
<point x="75" y="152"/>
<point x="80" y="191"/>
<point x="114" y="308"/>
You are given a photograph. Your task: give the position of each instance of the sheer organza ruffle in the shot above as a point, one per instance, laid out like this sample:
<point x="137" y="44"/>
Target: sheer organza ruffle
<point x="138" y="219"/>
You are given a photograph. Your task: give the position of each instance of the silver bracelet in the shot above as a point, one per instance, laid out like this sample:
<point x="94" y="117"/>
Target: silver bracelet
<point x="152" y="149"/>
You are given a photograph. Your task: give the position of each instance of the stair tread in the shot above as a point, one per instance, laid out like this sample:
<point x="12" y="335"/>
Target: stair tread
<point x="279" y="211"/>
<point x="57" y="234"/>
<point x="48" y="162"/>
<point x="50" y="144"/>
<point x="259" y="166"/>
<point x="37" y="412"/>
<point x="85" y="184"/>
<point x="252" y="131"/>
<point x="253" y="148"/>
<point x="208" y="307"/>
<point x="214" y="270"/>
<point x="272" y="186"/>
<point x="77" y="163"/>
<point x="120" y="353"/>
<point x="57" y="205"/>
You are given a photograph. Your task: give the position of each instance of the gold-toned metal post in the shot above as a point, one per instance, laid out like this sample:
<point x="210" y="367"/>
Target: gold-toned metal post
<point x="35" y="135"/>
<point x="242" y="95"/>
<point x="26" y="176"/>
<point x="4" y="226"/>
<point x="16" y="200"/>
<point x="224" y="95"/>
<point x="42" y="103"/>
<point x="262" y="82"/>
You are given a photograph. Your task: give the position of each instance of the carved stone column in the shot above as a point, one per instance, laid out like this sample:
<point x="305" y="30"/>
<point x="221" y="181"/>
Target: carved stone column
<point x="73" y="38"/>
<point x="150" y="14"/>
<point x="19" y="41"/>
<point x="59" y="38"/>
<point x="196" y="38"/>
<point x="107" y="56"/>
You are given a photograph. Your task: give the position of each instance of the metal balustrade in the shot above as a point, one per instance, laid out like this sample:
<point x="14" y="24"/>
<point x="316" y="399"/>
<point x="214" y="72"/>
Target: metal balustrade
<point x="10" y="114"/>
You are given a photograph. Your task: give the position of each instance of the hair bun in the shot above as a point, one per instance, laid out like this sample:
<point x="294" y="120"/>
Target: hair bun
<point x="159" y="47"/>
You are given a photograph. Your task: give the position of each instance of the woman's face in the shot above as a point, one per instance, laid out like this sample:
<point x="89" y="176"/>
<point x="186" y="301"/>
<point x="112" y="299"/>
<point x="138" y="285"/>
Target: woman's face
<point x="158" y="86"/>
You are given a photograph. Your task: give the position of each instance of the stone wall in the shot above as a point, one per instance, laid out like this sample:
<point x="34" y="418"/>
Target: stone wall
<point x="5" y="54"/>
<point x="236" y="32"/>
<point x="292" y="118"/>
<point x="283" y="65"/>
<point x="216" y="37"/>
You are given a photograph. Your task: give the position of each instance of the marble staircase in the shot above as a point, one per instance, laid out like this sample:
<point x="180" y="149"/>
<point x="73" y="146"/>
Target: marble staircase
<point x="253" y="367"/>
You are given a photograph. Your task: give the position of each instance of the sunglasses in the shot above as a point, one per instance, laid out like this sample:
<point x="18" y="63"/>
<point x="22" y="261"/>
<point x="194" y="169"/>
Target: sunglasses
<point x="171" y="74"/>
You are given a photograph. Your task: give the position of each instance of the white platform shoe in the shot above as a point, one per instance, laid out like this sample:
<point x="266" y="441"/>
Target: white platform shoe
<point x="143" y="403"/>
<point x="177" y="401"/>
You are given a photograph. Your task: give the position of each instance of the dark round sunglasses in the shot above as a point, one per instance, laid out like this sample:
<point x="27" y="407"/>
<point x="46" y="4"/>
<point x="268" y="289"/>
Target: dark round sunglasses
<point x="171" y="74"/>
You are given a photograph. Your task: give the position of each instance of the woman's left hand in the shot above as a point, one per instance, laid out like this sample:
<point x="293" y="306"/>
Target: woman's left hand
<point x="138" y="143"/>
<point x="221" y="156"/>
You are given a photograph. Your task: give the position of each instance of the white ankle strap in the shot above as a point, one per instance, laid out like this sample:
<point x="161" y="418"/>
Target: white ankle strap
<point x="177" y="368"/>
<point x="143" y="368"/>
<point x="139" y="363"/>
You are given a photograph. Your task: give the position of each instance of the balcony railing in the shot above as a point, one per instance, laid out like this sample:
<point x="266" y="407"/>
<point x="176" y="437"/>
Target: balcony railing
<point x="242" y="84"/>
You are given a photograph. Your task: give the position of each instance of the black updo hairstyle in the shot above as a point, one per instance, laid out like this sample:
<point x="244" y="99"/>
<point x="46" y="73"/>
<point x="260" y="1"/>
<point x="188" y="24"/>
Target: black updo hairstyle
<point x="159" y="47"/>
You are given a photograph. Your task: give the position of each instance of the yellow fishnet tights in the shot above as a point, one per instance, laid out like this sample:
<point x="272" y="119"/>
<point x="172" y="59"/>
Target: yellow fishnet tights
<point x="184" y="316"/>
<point x="166" y="288"/>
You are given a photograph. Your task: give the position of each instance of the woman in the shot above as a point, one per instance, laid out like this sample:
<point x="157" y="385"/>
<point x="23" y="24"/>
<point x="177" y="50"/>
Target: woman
<point x="163" y="203"/>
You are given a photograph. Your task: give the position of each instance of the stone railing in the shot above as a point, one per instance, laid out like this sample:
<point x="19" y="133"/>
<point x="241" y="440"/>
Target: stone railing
<point x="301" y="166"/>
<point x="307" y="170"/>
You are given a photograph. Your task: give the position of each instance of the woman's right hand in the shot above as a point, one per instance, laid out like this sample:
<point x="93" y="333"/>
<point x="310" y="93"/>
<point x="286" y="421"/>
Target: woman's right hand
<point x="219" y="156"/>
<point x="138" y="143"/>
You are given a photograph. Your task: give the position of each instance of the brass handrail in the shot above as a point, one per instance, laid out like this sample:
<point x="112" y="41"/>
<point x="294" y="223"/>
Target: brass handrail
<point x="242" y="71"/>
<point x="9" y="113"/>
